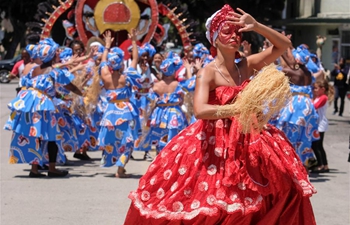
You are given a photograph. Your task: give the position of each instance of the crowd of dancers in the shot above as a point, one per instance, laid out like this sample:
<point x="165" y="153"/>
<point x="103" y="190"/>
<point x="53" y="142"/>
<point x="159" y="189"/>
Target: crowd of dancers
<point x="72" y="100"/>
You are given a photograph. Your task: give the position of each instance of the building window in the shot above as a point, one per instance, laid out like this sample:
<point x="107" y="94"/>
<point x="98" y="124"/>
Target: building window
<point x="345" y="45"/>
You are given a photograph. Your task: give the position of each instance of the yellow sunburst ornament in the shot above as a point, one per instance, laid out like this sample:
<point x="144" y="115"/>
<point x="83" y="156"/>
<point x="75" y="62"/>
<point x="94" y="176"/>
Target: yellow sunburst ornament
<point x="116" y="15"/>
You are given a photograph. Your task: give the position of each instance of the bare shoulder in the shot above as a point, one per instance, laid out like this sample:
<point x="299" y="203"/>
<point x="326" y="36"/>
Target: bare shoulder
<point x="206" y="73"/>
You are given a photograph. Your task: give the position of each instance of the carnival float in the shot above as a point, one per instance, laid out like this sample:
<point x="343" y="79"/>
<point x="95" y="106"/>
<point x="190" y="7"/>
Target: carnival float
<point x="87" y="20"/>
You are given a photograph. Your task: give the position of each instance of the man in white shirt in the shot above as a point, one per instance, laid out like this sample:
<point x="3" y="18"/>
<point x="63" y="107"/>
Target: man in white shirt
<point x="17" y="70"/>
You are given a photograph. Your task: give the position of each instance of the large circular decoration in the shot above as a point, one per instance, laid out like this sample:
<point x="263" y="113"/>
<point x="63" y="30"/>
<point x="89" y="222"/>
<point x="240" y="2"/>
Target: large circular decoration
<point x="116" y="15"/>
<point x="88" y="19"/>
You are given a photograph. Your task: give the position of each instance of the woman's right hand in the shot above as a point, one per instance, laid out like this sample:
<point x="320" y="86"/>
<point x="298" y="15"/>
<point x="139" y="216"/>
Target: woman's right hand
<point x="132" y="35"/>
<point x="187" y="65"/>
<point x="245" y="20"/>
<point x="107" y="36"/>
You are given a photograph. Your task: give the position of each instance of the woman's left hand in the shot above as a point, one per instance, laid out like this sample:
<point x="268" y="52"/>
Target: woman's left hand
<point x="245" y="20"/>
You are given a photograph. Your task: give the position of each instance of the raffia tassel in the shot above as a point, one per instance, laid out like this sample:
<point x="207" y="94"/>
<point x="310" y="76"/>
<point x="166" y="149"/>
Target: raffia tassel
<point x="188" y="102"/>
<point x="93" y="92"/>
<point x="262" y="98"/>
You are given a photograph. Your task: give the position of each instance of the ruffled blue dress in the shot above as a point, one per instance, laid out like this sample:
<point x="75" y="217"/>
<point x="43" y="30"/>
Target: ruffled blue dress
<point x="166" y="120"/>
<point x="34" y="118"/>
<point x="93" y="120"/>
<point x="298" y="120"/>
<point x="141" y="101"/>
<point x="120" y="124"/>
<point x="69" y="141"/>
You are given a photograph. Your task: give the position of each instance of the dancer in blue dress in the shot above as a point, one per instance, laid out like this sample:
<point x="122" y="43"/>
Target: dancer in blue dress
<point x="93" y="101"/>
<point x="298" y="120"/>
<point x="167" y="118"/>
<point x="145" y="53"/>
<point x="33" y="119"/>
<point x="120" y="121"/>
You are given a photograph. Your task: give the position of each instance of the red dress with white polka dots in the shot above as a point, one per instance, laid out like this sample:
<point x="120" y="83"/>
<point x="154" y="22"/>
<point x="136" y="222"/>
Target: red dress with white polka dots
<point x="211" y="173"/>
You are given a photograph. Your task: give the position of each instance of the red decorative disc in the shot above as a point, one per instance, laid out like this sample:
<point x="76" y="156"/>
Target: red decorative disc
<point x="116" y="13"/>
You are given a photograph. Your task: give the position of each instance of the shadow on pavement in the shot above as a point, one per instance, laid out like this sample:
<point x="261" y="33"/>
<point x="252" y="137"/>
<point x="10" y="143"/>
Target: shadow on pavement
<point x="338" y="121"/>
<point x="319" y="180"/>
<point x="323" y="177"/>
<point x="71" y="175"/>
<point x="81" y="162"/>
<point x="132" y="176"/>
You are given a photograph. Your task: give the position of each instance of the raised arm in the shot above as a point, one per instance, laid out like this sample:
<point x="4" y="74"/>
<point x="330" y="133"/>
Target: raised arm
<point x="135" y="51"/>
<point x="108" y="40"/>
<point x="279" y="42"/>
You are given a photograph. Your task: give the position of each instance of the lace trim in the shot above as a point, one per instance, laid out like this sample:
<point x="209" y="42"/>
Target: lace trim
<point x="179" y="214"/>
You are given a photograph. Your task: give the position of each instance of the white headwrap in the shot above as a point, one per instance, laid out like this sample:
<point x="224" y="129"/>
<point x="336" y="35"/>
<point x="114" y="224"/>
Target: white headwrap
<point x="207" y="25"/>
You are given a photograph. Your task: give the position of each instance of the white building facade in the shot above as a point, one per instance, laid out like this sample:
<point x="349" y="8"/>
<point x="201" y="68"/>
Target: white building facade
<point x="306" y="19"/>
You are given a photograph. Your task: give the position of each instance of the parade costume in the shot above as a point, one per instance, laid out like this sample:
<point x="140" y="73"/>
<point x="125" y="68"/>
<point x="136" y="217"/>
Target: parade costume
<point x="236" y="170"/>
<point x="69" y="140"/>
<point x="140" y="97"/>
<point x="95" y="108"/>
<point x="34" y="118"/>
<point x="167" y="118"/>
<point x="120" y="121"/>
<point x="211" y="173"/>
<point x="298" y="120"/>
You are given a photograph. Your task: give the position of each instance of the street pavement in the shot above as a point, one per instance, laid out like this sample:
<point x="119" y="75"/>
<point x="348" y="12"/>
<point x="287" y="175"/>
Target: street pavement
<point x="92" y="195"/>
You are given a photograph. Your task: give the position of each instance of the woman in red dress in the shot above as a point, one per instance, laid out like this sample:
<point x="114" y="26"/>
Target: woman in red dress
<point x="213" y="172"/>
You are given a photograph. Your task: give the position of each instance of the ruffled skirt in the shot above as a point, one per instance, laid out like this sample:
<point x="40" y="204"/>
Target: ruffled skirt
<point x="211" y="173"/>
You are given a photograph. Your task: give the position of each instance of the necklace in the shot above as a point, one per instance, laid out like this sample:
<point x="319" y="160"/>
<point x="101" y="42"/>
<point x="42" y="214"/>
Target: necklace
<point x="223" y="76"/>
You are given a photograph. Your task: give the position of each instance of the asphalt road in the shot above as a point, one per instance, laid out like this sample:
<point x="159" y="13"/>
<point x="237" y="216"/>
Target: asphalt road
<point x="91" y="195"/>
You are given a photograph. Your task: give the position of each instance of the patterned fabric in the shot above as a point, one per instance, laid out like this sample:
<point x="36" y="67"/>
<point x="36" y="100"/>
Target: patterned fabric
<point x="114" y="58"/>
<point x="214" y="22"/>
<point x="82" y="130"/>
<point x="208" y="59"/>
<point x="141" y="101"/>
<point x="34" y="115"/>
<point x="120" y="122"/>
<point x="189" y="84"/>
<point x="301" y="54"/>
<point x="200" y="50"/>
<point x="32" y="51"/>
<point x="66" y="54"/>
<point x="298" y="120"/>
<point x="69" y="141"/>
<point x="211" y="173"/>
<point x="166" y="120"/>
<point x="93" y="123"/>
<point x="46" y="52"/>
<point x="98" y="53"/>
<point x="147" y="47"/>
<point x="168" y="67"/>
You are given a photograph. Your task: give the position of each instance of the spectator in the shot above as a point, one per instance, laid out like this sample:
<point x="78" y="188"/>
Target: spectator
<point x="339" y="74"/>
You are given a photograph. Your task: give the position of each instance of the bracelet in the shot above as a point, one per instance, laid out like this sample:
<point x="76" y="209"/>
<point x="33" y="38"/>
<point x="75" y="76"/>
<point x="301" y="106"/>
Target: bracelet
<point x="62" y="97"/>
<point x="107" y="49"/>
<point x="86" y="57"/>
